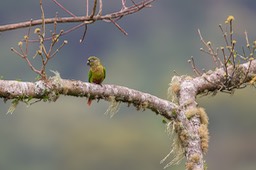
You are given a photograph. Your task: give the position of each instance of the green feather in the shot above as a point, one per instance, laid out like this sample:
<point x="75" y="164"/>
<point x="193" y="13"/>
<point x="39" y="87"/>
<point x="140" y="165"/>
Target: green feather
<point x="89" y="76"/>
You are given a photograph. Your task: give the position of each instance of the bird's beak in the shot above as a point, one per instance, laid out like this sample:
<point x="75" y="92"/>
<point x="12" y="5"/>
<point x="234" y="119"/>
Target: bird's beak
<point x="88" y="62"/>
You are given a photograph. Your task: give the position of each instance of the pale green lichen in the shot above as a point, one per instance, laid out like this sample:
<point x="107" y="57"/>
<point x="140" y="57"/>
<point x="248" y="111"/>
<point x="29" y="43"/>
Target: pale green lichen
<point x="13" y="106"/>
<point x="174" y="88"/>
<point x="56" y="76"/>
<point x="15" y="102"/>
<point x="113" y="107"/>
<point x="177" y="148"/>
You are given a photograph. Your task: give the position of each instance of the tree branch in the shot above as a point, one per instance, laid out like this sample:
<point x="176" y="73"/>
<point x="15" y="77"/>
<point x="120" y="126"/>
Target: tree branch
<point x="56" y="86"/>
<point x="108" y="17"/>
<point x="194" y="132"/>
<point x="189" y="121"/>
<point x="192" y="129"/>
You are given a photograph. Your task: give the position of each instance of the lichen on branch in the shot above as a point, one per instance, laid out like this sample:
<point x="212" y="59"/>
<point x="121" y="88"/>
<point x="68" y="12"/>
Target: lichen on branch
<point x="55" y="86"/>
<point x="232" y="70"/>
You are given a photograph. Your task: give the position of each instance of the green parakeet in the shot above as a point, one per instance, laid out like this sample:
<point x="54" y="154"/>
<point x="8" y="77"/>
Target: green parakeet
<point x="96" y="74"/>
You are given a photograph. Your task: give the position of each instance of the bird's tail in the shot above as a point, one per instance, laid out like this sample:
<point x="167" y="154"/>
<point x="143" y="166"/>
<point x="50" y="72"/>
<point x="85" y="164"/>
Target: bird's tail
<point x="89" y="102"/>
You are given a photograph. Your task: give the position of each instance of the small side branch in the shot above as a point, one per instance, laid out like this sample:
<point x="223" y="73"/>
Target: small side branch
<point x="63" y="8"/>
<point x="94" y="9"/>
<point x="210" y="49"/>
<point x="119" y="27"/>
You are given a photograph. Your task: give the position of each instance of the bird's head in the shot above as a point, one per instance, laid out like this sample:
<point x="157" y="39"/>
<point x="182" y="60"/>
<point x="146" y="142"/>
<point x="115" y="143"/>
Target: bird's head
<point x="93" y="61"/>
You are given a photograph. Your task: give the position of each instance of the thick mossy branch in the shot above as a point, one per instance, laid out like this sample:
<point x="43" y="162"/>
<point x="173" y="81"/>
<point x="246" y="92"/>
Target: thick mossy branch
<point x="193" y="135"/>
<point x="214" y="81"/>
<point x="56" y="86"/>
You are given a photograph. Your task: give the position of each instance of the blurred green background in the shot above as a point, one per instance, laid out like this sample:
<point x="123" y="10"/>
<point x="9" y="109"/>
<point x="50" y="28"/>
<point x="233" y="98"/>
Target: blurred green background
<point x="67" y="134"/>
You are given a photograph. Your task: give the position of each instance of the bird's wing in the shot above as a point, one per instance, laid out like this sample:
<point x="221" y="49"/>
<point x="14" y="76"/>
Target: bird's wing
<point x="90" y="76"/>
<point x="104" y="72"/>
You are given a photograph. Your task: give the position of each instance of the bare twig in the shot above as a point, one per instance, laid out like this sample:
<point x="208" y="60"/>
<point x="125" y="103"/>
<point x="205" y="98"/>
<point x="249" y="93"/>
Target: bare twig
<point x="26" y="59"/>
<point x="58" y="49"/>
<point x="225" y="61"/>
<point x="27" y="37"/>
<point x="209" y="47"/>
<point x="119" y="27"/>
<point x="43" y="18"/>
<point x="93" y="9"/>
<point x="85" y="30"/>
<point x="100" y="8"/>
<point x="231" y="55"/>
<point x="244" y="55"/>
<point x="192" y="62"/>
<point x="123" y="5"/>
<point x="247" y="71"/>
<point x="87" y="8"/>
<point x="64" y="33"/>
<point x="65" y="9"/>
<point x="224" y="34"/>
<point x="133" y="2"/>
<point x="231" y="30"/>
<point x="247" y="42"/>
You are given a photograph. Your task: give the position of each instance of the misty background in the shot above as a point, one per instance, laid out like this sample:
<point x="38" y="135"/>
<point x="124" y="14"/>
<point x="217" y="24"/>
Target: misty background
<point x="67" y="134"/>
